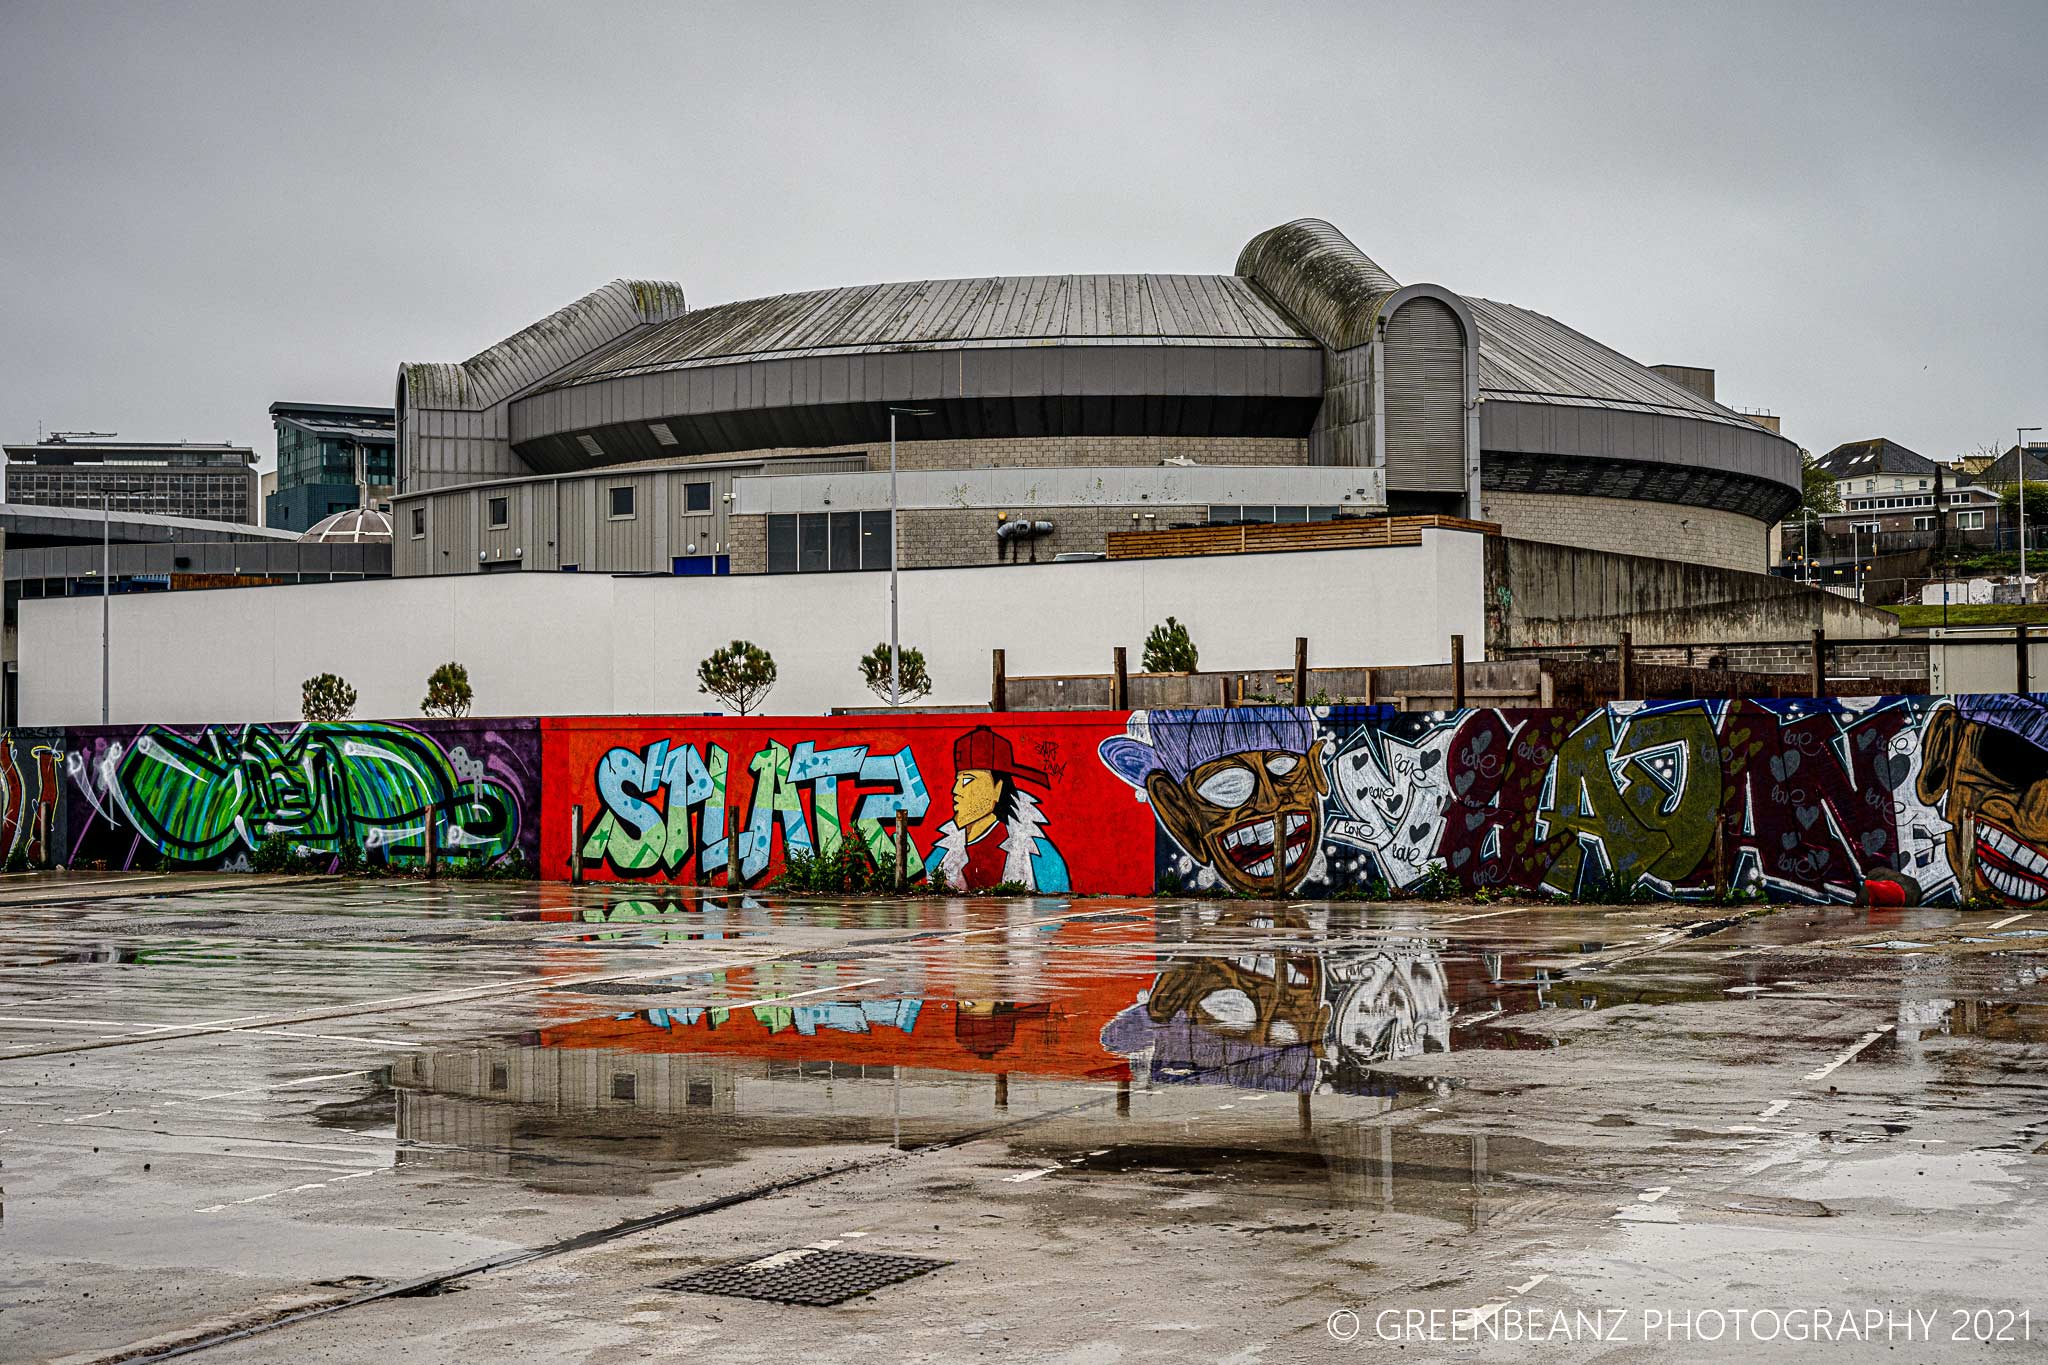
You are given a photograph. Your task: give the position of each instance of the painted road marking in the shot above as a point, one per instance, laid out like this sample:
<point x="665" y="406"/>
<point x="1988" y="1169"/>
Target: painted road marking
<point x="312" y="1185"/>
<point x="1520" y="1289"/>
<point x="1774" y="1108"/>
<point x="1654" y="1193"/>
<point x="2010" y="919"/>
<point x="1028" y="1175"/>
<point x="1865" y="1041"/>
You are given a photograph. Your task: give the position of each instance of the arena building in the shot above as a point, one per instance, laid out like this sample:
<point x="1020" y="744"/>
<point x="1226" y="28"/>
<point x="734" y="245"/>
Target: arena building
<point x="631" y="433"/>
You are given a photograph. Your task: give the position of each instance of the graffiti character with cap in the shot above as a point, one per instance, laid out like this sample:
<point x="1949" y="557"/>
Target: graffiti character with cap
<point x="1989" y="757"/>
<point x="997" y="833"/>
<point x="1236" y="788"/>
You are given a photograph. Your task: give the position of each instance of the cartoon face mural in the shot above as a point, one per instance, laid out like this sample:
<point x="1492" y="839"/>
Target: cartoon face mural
<point x="1839" y="800"/>
<point x="996" y="834"/>
<point x="214" y="795"/>
<point x="1240" y="791"/>
<point x="1988" y="756"/>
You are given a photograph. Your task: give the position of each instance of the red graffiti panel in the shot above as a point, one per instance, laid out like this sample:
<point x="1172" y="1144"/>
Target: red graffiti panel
<point x="988" y="800"/>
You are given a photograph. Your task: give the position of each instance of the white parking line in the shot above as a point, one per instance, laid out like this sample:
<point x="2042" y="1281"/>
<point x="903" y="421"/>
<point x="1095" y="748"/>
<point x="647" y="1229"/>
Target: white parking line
<point x="2010" y="919"/>
<point x="1865" y="1041"/>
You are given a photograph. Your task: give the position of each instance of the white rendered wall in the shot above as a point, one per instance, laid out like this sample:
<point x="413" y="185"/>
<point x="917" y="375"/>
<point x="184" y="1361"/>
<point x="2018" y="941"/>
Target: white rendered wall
<point x="555" y="643"/>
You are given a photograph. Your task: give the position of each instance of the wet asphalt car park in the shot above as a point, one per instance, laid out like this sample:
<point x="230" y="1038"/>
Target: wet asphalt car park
<point x="256" y="1119"/>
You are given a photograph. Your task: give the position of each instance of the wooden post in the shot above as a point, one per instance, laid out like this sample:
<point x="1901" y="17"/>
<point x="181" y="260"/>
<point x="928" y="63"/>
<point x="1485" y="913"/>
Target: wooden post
<point x="732" y="848"/>
<point x="1002" y="1090"/>
<point x="575" y="845"/>
<point x="1820" y="662"/>
<point x="1457" y="672"/>
<point x="1721" y="856"/>
<point x="1223" y="681"/>
<point x="1371" y="684"/>
<point x="999" y="686"/>
<point x="1120" y="689"/>
<point x="1625" y="668"/>
<point x="899" y="843"/>
<point x="433" y="832"/>
<point x="1301" y="670"/>
<point x="2020" y="638"/>
<point x="1966" y="875"/>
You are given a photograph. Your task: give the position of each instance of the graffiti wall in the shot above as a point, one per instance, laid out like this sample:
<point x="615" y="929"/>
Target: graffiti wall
<point x="1931" y="799"/>
<point x="31" y="797"/>
<point x="209" y="796"/>
<point x="1014" y="799"/>
<point x="1911" y="799"/>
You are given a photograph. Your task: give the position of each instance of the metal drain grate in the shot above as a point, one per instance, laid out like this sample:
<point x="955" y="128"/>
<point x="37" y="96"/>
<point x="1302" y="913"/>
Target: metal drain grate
<point x="804" y="1275"/>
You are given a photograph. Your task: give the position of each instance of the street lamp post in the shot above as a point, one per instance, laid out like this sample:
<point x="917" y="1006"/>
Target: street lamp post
<point x="895" y="667"/>
<point x="106" y="608"/>
<point x="2019" y="456"/>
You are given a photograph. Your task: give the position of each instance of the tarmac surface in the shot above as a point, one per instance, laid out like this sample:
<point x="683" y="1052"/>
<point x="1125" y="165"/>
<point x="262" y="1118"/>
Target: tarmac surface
<point x="258" y="1119"/>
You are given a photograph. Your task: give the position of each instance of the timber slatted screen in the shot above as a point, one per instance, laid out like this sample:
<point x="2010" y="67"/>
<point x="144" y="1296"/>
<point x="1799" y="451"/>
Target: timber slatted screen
<point x="1425" y="372"/>
<point x="1344" y="534"/>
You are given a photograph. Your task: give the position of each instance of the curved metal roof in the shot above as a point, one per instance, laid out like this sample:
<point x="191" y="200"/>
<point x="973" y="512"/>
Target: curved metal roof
<point x="537" y="351"/>
<point x="1003" y="311"/>
<point x="1527" y="357"/>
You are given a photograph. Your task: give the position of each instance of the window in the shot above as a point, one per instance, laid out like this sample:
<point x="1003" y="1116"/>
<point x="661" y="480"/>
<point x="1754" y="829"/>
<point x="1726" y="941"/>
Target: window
<point x="624" y="1085"/>
<point x="1923" y="523"/>
<point x="501" y="1076"/>
<point x="1969" y="521"/>
<point x="696" y="497"/>
<point x="698" y="1095"/>
<point x="821" y="542"/>
<point x="568" y="568"/>
<point x="500" y="515"/>
<point x="622" y="502"/>
<point x="419" y="523"/>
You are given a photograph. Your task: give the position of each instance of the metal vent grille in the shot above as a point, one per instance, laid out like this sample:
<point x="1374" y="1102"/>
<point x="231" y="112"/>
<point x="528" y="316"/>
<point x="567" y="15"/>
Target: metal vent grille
<point x="804" y="1275"/>
<point x="590" y="446"/>
<point x="662" y="433"/>
<point x="1425" y="439"/>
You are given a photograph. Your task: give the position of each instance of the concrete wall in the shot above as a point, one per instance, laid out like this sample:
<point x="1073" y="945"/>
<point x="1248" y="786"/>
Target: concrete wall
<point x="1697" y="535"/>
<point x="552" y="643"/>
<point x="1545" y="594"/>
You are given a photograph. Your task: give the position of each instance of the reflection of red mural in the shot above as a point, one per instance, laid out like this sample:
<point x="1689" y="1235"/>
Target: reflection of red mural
<point x="1057" y="1036"/>
<point x="658" y="794"/>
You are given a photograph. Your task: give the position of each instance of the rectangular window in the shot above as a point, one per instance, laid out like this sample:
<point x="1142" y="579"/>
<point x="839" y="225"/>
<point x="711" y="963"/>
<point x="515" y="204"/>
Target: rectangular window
<point x="500" y="513"/>
<point x="1261" y="515"/>
<point x="568" y="568"/>
<point x="1322" y="514"/>
<point x="1290" y="514"/>
<point x="874" y="540"/>
<point x="1969" y="521"/>
<point x="419" y="523"/>
<point x="782" y="544"/>
<point x="845" y="541"/>
<point x="1223" y="516"/>
<point x="625" y="1085"/>
<point x="1923" y="523"/>
<point x="622" y="502"/>
<point x="811" y="546"/>
<point x="696" y="497"/>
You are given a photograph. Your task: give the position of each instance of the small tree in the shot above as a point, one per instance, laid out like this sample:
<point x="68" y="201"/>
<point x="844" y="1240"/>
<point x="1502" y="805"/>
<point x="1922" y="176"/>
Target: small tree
<point x="738" y="675"/>
<point x="1819" y="493"/>
<point x="325" y="696"/>
<point x="448" y="692"/>
<point x="2037" y="502"/>
<point x="912" y="680"/>
<point x="1169" y="650"/>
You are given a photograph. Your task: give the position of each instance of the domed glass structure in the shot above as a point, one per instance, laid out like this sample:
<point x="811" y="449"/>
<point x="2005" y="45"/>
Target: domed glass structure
<point x="356" y="525"/>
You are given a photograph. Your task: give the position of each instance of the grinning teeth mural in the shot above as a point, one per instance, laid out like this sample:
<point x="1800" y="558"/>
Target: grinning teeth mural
<point x="1854" y="800"/>
<point x="210" y="796"/>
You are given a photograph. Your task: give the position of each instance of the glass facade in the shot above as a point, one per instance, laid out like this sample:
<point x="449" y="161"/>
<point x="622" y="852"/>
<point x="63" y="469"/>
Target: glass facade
<point x="828" y="542"/>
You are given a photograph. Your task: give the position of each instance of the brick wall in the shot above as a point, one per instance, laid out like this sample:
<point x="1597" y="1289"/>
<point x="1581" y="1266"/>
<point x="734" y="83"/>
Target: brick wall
<point x="1694" y="535"/>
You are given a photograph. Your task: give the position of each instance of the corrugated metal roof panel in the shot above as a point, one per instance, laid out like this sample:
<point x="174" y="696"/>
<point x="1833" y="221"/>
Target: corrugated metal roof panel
<point x="1525" y="356"/>
<point x="1204" y="310"/>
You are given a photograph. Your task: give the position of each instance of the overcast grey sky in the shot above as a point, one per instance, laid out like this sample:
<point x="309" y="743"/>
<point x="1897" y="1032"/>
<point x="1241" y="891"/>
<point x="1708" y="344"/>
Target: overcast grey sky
<point x="205" y="208"/>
